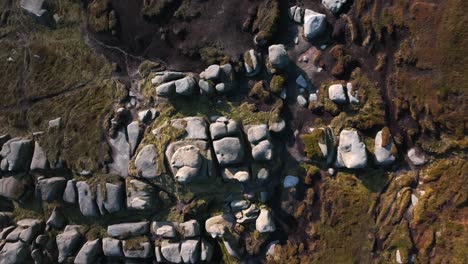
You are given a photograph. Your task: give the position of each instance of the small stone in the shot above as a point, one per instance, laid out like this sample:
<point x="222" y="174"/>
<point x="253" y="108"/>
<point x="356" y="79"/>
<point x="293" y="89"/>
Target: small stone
<point x="171" y="252"/>
<point x="190" y="228"/>
<point x="68" y="243"/>
<point x="212" y="72"/>
<point x="240" y="174"/>
<point x="86" y="200"/>
<point x="334" y="5"/>
<point x="416" y="157"/>
<point x="257" y="133"/>
<point x="278" y="57"/>
<point x="190" y="251"/>
<point x="314" y="24"/>
<point x="264" y="222"/>
<point x="89" y="252"/>
<point x="301" y="101"/>
<point x="127" y="230"/>
<point x="112" y="247"/>
<point x="51" y="189"/>
<point x="70" y="194"/>
<point x="185" y="86"/>
<point x="290" y="181"/>
<point x="337" y="94"/>
<point x="351" y="150"/>
<point x="228" y="150"/>
<point x="206" y="88"/>
<point x="56" y="219"/>
<point x="39" y="159"/>
<point x="263" y="151"/>
<point x="55" y="123"/>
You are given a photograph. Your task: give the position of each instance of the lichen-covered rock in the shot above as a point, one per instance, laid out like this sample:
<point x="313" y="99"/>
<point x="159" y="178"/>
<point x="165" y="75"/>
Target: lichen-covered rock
<point x="140" y="196"/>
<point x="16" y="155"/>
<point x="112" y="199"/>
<point x="89" y="252"/>
<point x="195" y="127"/>
<point x="146" y="162"/>
<point x="127" y="230"/>
<point x="203" y="168"/>
<point x="229" y="150"/>
<point x="141" y="251"/>
<point x="314" y="24"/>
<point x="251" y="63"/>
<point x="190" y="228"/>
<point x="86" y="200"/>
<point x="264" y="222"/>
<point x="278" y="56"/>
<point x="351" y="150"/>
<point x="51" y="189"/>
<point x="68" y="243"/>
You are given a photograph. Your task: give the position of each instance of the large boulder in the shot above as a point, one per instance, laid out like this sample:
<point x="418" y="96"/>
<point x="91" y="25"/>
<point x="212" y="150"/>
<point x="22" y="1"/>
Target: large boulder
<point x="195" y="127"/>
<point x="251" y="63"/>
<point x="140" y="195"/>
<point x="31" y="228"/>
<point x="190" y="250"/>
<point x="56" y="219"/>
<point x="164" y="229"/>
<point x="264" y="222"/>
<point x="190" y="228"/>
<point x="336" y="93"/>
<point x="39" y="158"/>
<point x="142" y="249"/>
<point x="89" y="252"/>
<point x="314" y="24"/>
<point x="14" y="253"/>
<point x="257" y="133"/>
<point x="16" y="155"/>
<point x="146" y="162"/>
<point x="204" y="150"/>
<point x="86" y="200"/>
<point x="68" y="243"/>
<point x="185" y="86"/>
<point x="224" y="127"/>
<point x="171" y="252"/>
<point x="229" y="150"/>
<point x="127" y="230"/>
<point x="120" y="154"/>
<point x="14" y="187"/>
<point x="186" y="163"/>
<point x="263" y="151"/>
<point x="240" y="174"/>
<point x="351" y="150"/>
<point x="384" y="151"/>
<point x="334" y="5"/>
<point x="207" y="251"/>
<point x="213" y="72"/>
<point x="296" y="13"/>
<point x="218" y="225"/>
<point x="51" y="189"/>
<point x="166" y="89"/>
<point x="110" y="200"/>
<point x="70" y="194"/>
<point x="278" y="56"/>
<point x="134" y="132"/>
<point x="112" y="247"/>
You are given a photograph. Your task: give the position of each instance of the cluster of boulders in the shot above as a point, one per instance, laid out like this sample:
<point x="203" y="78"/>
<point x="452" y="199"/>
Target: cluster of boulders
<point x="351" y="152"/>
<point x="214" y="79"/>
<point x="341" y="94"/>
<point x="314" y="23"/>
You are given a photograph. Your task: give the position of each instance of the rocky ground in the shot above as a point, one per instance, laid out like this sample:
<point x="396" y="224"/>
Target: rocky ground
<point x="247" y="131"/>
